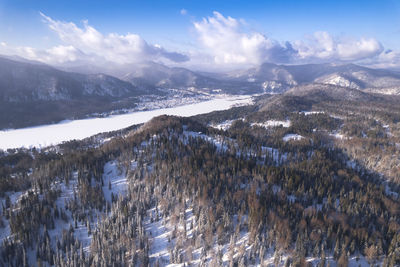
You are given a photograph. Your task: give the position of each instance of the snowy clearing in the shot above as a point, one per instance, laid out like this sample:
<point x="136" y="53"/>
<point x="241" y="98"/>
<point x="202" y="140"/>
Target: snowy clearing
<point x="223" y="125"/>
<point x="312" y="112"/>
<point x="290" y="137"/>
<point x="115" y="181"/>
<point x="273" y="123"/>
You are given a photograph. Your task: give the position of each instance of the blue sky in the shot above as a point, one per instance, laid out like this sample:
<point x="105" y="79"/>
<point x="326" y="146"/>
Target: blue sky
<point x="164" y="23"/>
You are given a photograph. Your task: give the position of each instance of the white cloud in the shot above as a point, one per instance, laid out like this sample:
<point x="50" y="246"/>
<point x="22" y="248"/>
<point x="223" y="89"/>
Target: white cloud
<point x="359" y="49"/>
<point x="61" y="54"/>
<point x="224" y="42"/>
<point x="86" y="44"/>
<point x="56" y="55"/>
<point x="122" y="49"/>
<point x="225" y="39"/>
<point x="386" y="59"/>
<point x="322" y="46"/>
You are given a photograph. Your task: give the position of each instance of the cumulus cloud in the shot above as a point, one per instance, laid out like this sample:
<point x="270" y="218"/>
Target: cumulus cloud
<point x="88" y="45"/>
<point x="225" y="39"/>
<point x="55" y="55"/>
<point x="322" y="46"/>
<point x="223" y="42"/>
<point x="229" y="43"/>
<point x="386" y="59"/>
<point x="123" y="49"/>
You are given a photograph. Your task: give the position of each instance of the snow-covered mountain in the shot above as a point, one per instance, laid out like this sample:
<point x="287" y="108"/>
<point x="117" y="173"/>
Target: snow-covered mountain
<point x="267" y="77"/>
<point x="50" y="94"/>
<point x="24" y="81"/>
<point x="280" y="78"/>
<point x="158" y="75"/>
<point x="303" y="97"/>
<point x="155" y="75"/>
<point x="32" y="93"/>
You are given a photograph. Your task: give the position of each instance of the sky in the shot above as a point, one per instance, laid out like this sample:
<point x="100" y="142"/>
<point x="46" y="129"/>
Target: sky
<point x="223" y="34"/>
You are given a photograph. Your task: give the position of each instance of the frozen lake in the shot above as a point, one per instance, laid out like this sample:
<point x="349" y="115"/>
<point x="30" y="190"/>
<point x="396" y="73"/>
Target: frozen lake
<point x="51" y="134"/>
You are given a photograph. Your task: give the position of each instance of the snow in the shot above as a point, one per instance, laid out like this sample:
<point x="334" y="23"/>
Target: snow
<point x="219" y="141"/>
<point x="361" y="261"/>
<point x="112" y="174"/>
<point x="117" y="178"/>
<point x="81" y="232"/>
<point x="46" y="135"/>
<point x="340" y="81"/>
<point x="338" y="136"/>
<point x="223" y="125"/>
<point x="295" y="137"/>
<point x="224" y="143"/>
<point x="276" y="189"/>
<point x="387" y="129"/>
<point x="160" y="231"/>
<point x="159" y="238"/>
<point x="15" y="197"/>
<point x="273" y="123"/>
<point x="276" y="155"/>
<point x="312" y="112"/>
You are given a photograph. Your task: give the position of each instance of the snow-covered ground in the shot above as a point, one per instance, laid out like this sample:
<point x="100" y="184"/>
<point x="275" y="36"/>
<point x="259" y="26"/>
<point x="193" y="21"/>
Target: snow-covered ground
<point x="225" y="125"/>
<point x="67" y="194"/>
<point x="338" y="135"/>
<point x="46" y="135"/>
<point x="312" y="112"/>
<point x="161" y="241"/>
<point x="295" y="137"/>
<point x="115" y="180"/>
<point x="224" y="143"/>
<point x="387" y="129"/>
<point x="221" y="142"/>
<point x="273" y="123"/>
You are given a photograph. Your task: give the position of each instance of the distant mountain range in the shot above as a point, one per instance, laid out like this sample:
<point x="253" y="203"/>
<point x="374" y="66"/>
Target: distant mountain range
<point x="32" y="93"/>
<point x="303" y="97"/>
<point x="280" y="78"/>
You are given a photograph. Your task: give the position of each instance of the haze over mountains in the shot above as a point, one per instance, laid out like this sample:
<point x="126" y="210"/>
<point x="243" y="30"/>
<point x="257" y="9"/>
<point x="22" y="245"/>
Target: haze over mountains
<point x="53" y="95"/>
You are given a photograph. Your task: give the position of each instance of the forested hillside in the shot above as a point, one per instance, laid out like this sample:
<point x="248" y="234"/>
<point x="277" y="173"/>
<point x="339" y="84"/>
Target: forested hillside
<point x="245" y="187"/>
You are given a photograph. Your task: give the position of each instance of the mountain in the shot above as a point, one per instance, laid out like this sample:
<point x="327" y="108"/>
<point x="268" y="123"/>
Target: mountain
<point x="22" y="82"/>
<point x="349" y="75"/>
<point x="267" y="77"/>
<point x="304" y="97"/>
<point x="49" y="94"/>
<point x="32" y="93"/>
<point x="274" y="78"/>
<point x="155" y="75"/>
